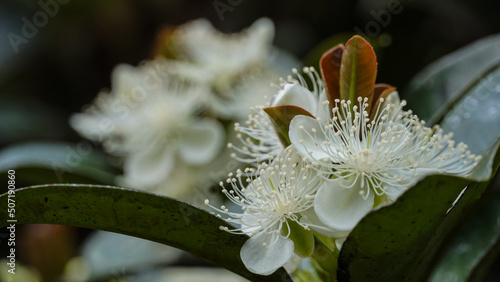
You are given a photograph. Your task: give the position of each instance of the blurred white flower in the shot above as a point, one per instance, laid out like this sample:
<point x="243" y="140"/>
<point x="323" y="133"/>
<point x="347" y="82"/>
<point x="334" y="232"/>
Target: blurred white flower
<point x="191" y="274"/>
<point x="235" y="67"/>
<point x="150" y="118"/>
<point x="363" y="158"/>
<point x="274" y="205"/>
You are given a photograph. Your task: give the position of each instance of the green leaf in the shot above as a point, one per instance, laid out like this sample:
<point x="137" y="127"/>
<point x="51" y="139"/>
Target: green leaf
<point x="326" y="253"/>
<point x="308" y="272"/>
<point x="470" y="254"/>
<point x="399" y="242"/>
<point x="442" y="82"/>
<point x="282" y="117"/>
<point x="49" y="162"/>
<point x="475" y="119"/>
<point x="303" y="240"/>
<point x="358" y="71"/>
<point x="135" y="213"/>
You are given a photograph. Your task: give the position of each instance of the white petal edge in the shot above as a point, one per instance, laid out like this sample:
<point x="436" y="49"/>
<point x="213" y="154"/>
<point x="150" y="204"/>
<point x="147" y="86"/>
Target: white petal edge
<point x="310" y="218"/>
<point x="124" y="79"/>
<point x="339" y="242"/>
<point x="201" y="141"/>
<point x="308" y="144"/>
<point x="295" y="94"/>
<point x="266" y="260"/>
<point x="322" y="112"/>
<point x="340" y="208"/>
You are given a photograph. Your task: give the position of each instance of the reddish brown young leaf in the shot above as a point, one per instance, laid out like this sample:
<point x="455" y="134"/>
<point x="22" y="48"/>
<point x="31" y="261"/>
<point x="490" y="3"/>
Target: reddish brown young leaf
<point x="381" y="90"/>
<point x="330" y="70"/>
<point x="281" y="117"/>
<point x="358" y="70"/>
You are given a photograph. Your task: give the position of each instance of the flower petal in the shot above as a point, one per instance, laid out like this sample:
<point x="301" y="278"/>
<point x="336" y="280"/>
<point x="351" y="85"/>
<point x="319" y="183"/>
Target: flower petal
<point x="265" y="260"/>
<point x="296" y="95"/>
<point x="308" y="143"/>
<point x="322" y="112"/>
<point x="340" y="208"/>
<point x="125" y="79"/>
<point x="393" y="192"/>
<point x="250" y="223"/>
<point x="340" y="241"/>
<point x="150" y="166"/>
<point x="201" y="141"/>
<point x="310" y="218"/>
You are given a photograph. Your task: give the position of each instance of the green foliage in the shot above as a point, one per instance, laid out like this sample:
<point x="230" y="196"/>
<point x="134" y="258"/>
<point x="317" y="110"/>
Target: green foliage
<point x="303" y="239"/>
<point x="475" y="119"/>
<point x="419" y="235"/>
<point x="476" y="245"/>
<point x="404" y="240"/>
<point x="135" y="213"/>
<point x="436" y="88"/>
<point x="399" y="242"/>
<point x="56" y="162"/>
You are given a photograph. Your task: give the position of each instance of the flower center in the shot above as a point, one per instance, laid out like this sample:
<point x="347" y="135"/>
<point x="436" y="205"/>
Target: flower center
<point x="363" y="161"/>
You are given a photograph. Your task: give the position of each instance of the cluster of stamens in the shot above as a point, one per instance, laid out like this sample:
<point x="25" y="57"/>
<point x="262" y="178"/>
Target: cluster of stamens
<point x="269" y="196"/>
<point x="386" y="151"/>
<point x="258" y="140"/>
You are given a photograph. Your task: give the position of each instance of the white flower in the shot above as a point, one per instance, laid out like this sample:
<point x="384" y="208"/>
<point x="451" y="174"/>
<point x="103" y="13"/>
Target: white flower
<point x="150" y="118"/>
<point x="233" y="66"/>
<point x="296" y="92"/>
<point x="224" y="53"/>
<point x="272" y="202"/>
<point x="365" y="158"/>
<point x="259" y="140"/>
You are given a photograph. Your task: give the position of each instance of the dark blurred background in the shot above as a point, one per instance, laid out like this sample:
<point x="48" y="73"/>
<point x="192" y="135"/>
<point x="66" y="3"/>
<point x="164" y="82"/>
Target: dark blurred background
<point x="69" y="57"/>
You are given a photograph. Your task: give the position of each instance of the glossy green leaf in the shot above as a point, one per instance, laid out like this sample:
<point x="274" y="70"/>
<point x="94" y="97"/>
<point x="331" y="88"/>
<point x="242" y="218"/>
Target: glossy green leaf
<point x="443" y="81"/>
<point x="135" y="213"/>
<point x="470" y="254"/>
<point x="281" y="117"/>
<point x="49" y="162"/>
<point x="326" y="253"/>
<point x="358" y="70"/>
<point x="399" y="242"/>
<point x="475" y="119"/>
